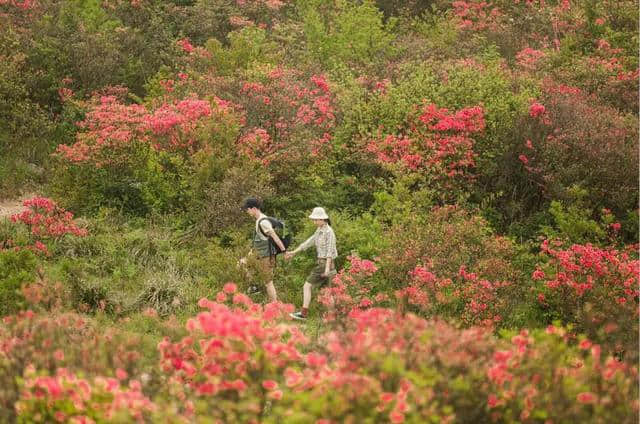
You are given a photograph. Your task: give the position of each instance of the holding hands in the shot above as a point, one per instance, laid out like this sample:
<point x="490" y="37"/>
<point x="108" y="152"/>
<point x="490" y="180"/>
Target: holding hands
<point x="288" y="255"/>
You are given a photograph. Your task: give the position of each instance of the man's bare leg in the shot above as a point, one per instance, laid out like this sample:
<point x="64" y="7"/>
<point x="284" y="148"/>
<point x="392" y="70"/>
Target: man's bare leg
<point x="271" y="292"/>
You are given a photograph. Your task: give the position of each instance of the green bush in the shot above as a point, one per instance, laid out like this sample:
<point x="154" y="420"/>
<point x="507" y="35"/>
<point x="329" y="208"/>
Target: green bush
<point x="574" y="222"/>
<point x="148" y="181"/>
<point x="247" y="45"/>
<point x="25" y="128"/>
<point x="346" y="33"/>
<point x="574" y="131"/>
<point x="454" y="86"/>
<point x="215" y="203"/>
<point x="16" y="268"/>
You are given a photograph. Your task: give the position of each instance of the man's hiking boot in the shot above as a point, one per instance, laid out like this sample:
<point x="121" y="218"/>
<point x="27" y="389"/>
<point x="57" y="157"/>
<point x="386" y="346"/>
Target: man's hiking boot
<point x="253" y="290"/>
<point x="298" y="315"/>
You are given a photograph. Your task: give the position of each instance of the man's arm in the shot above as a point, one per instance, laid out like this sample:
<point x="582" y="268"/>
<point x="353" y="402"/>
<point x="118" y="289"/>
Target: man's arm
<point x="276" y="239"/>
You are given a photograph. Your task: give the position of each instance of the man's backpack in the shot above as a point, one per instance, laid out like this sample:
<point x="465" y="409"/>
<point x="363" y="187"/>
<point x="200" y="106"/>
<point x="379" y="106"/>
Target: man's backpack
<point x="280" y="229"/>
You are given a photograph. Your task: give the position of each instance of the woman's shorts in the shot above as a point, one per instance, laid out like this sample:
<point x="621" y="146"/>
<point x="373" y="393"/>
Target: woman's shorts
<point x="316" y="278"/>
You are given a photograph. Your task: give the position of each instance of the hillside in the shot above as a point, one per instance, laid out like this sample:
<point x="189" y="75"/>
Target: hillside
<point x="478" y="161"/>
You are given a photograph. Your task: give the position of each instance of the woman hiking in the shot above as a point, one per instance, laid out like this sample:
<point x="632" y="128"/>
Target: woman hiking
<point x="325" y="241"/>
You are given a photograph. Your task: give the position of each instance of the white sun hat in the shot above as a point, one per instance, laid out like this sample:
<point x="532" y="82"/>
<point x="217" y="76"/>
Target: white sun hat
<point x="318" y="213"/>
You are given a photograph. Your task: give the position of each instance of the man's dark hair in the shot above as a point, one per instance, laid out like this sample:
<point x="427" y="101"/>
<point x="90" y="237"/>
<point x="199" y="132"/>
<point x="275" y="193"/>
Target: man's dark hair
<point x="252" y="202"/>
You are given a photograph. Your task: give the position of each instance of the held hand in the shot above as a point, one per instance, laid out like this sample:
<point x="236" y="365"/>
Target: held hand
<point x="288" y="255"/>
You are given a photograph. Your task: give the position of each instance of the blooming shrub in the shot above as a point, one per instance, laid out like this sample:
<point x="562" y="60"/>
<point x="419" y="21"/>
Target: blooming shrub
<point x="539" y="377"/>
<point x="139" y="158"/>
<point x="350" y="291"/>
<point x="289" y="117"/>
<point x="606" y="73"/>
<point x="286" y="115"/>
<point x="36" y="345"/>
<point x="65" y="397"/>
<point x="566" y="131"/>
<point x="243" y="361"/>
<point x="472" y="300"/>
<point x="438" y="143"/>
<point x="444" y="239"/>
<point x="368" y="369"/>
<point x="110" y="127"/>
<point x="528" y="58"/>
<point x="46" y="222"/>
<point x="375" y="368"/>
<point x="234" y="359"/>
<point x="515" y="24"/>
<point x="594" y="288"/>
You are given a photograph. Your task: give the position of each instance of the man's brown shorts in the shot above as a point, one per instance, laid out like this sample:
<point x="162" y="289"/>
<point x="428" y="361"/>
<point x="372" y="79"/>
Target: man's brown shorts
<point x="316" y="278"/>
<point x="266" y="266"/>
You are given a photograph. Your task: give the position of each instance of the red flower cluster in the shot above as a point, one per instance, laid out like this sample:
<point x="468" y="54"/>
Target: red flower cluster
<point x="20" y="4"/>
<point x="595" y="288"/>
<point x="111" y="127"/>
<point x="101" y="397"/>
<point x="229" y="345"/>
<point x="258" y="145"/>
<point x="46" y="221"/>
<point x="536" y="110"/>
<point x="528" y="58"/>
<point x="481" y="300"/>
<point x="438" y="142"/>
<point x="186" y="46"/>
<point x="582" y="267"/>
<point x="283" y="108"/>
<point x="349" y="291"/>
<point x="516" y="380"/>
<point x="476" y="15"/>
<point x="173" y="126"/>
<point x="378" y="364"/>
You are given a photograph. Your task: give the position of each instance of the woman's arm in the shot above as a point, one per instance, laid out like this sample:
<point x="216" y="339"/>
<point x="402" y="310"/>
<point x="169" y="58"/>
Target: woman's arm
<point x="303" y="246"/>
<point x="327" y="267"/>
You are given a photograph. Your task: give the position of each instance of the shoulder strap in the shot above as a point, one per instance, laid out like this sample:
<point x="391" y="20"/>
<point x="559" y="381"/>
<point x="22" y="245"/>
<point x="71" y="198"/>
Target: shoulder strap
<point x="260" y="227"/>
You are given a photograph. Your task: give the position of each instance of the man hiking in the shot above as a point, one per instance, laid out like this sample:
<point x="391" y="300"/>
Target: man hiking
<point x="260" y="245"/>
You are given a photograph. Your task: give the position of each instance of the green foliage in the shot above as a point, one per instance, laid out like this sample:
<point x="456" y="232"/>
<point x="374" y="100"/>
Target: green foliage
<point x="453" y="86"/>
<point x="405" y="8"/>
<point x="362" y="234"/>
<point x="343" y="32"/>
<point x="123" y="266"/>
<point x="214" y="205"/>
<point x="574" y="222"/>
<point x="246" y="46"/>
<point x="24" y="126"/>
<point x="148" y="181"/>
<point x="436" y="35"/>
<point x="202" y="20"/>
<point x="16" y="268"/>
<point x="166" y="229"/>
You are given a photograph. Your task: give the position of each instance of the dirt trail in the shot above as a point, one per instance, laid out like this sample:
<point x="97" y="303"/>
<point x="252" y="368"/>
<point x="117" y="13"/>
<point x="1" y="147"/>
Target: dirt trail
<point x="10" y="207"/>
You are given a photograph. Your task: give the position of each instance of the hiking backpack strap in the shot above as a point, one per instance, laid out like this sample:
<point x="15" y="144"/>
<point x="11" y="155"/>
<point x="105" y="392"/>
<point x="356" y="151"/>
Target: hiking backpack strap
<point x="260" y="227"/>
